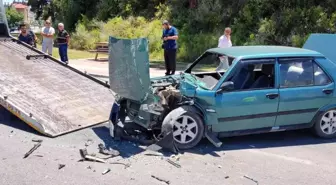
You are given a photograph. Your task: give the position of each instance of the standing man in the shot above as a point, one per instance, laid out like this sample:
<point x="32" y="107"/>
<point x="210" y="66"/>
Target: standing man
<point x="25" y="36"/>
<point x="63" y="41"/>
<point x="48" y="37"/>
<point x="169" y="36"/>
<point x="225" y="40"/>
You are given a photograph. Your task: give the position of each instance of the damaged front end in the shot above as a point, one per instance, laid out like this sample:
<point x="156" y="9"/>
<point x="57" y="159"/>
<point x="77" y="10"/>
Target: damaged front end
<point x="142" y="103"/>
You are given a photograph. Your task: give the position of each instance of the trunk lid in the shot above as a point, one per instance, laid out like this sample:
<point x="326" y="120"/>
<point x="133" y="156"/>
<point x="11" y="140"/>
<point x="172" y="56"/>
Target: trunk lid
<point x="322" y="43"/>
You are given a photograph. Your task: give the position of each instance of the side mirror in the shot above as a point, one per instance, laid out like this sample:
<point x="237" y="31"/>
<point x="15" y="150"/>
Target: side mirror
<point x="226" y="86"/>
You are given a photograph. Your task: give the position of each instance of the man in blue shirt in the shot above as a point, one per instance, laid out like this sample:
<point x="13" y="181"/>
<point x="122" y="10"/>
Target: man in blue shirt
<point x="26" y="36"/>
<point x="169" y="37"/>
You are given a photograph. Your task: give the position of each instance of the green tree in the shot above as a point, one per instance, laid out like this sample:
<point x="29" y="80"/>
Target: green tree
<point x="13" y="17"/>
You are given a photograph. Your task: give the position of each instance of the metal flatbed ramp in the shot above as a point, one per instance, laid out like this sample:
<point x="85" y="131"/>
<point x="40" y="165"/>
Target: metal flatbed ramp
<point x="51" y="97"/>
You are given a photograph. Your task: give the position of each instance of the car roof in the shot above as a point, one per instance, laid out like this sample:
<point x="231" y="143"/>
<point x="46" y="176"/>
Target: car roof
<point x="265" y="51"/>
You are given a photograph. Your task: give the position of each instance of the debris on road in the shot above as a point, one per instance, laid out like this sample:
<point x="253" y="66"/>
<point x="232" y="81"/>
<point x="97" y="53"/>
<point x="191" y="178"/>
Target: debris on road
<point x="109" y="151"/>
<point x="106" y="171"/>
<point x="219" y="166"/>
<point x="37" y="140"/>
<point x="249" y="178"/>
<point x="164" y="143"/>
<point x="126" y="165"/>
<point x="160" y="179"/>
<point x="154" y="154"/>
<point x="174" y="163"/>
<point x="226" y="177"/>
<point x="32" y="150"/>
<point x="38" y="155"/>
<point x="88" y="142"/>
<point x="85" y="156"/>
<point x="60" y="166"/>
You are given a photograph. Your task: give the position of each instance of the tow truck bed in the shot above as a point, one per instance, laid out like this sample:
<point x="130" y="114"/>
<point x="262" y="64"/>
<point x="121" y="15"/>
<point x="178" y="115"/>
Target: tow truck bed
<point x="51" y="97"/>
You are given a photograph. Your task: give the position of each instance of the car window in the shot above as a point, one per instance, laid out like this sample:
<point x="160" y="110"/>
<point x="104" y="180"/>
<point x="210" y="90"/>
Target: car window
<point x="254" y="75"/>
<point x="212" y="62"/>
<point x="300" y="73"/>
<point x="320" y="77"/>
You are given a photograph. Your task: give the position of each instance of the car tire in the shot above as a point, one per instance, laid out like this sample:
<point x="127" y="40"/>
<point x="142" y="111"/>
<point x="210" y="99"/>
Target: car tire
<point x="187" y="126"/>
<point x="325" y="124"/>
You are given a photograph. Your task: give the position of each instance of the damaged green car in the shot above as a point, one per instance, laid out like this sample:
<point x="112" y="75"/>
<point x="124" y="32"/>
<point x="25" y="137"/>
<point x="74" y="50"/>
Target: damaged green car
<point x="225" y="92"/>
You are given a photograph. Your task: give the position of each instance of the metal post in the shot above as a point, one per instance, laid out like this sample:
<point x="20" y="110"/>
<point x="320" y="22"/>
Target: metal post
<point x="3" y="19"/>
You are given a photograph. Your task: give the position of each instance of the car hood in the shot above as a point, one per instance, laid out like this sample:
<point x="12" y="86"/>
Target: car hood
<point x="129" y="67"/>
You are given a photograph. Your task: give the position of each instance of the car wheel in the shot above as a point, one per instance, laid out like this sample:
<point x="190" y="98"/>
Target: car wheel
<point x="187" y="127"/>
<point x="325" y="126"/>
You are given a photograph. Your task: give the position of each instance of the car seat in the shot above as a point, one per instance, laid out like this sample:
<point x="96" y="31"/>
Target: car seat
<point x="243" y="78"/>
<point x="306" y="77"/>
<point x="266" y="79"/>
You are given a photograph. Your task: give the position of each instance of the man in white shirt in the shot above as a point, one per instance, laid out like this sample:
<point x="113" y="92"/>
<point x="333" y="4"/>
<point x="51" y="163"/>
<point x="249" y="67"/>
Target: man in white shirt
<point x="225" y="40"/>
<point x="48" y="37"/>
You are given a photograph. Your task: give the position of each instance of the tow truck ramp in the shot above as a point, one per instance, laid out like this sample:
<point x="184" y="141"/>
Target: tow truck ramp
<point x="50" y="96"/>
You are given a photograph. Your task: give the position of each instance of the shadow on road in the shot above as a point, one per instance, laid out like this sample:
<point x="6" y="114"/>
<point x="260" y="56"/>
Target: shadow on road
<point x="269" y="140"/>
<point x="10" y="120"/>
<point x="126" y="149"/>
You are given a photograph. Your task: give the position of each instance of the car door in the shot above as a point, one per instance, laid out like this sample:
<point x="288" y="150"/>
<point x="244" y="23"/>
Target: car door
<point x="304" y="88"/>
<point x="248" y="107"/>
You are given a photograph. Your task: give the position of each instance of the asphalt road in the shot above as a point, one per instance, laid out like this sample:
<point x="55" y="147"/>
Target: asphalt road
<point x="287" y="158"/>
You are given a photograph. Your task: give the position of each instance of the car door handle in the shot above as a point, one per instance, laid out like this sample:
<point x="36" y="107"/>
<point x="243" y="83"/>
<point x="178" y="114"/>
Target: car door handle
<point x="327" y="91"/>
<point x="272" y="95"/>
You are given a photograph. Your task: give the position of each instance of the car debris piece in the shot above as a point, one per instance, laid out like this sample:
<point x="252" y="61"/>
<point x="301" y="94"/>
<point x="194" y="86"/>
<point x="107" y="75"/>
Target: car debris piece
<point x="37" y="140"/>
<point x="85" y="156"/>
<point x="154" y="154"/>
<point x="88" y="142"/>
<point x="109" y="151"/>
<point x="126" y="165"/>
<point x="106" y="171"/>
<point x="174" y="163"/>
<point x="32" y="150"/>
<point x="160" y="179"/>
<point x="166" y="142"/>
<point x="227" y="177"/>
<point x="60" y="166"/>
<point x="249" y="178"/>
<point x="38" y="155"/>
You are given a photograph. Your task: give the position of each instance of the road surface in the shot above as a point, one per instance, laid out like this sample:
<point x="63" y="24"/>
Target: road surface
<point x="271" y="159"/>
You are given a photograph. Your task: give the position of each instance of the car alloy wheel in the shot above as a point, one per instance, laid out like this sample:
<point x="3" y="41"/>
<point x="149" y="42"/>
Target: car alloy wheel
<point x="328" y="122"/>
<point x="185" y="129"/>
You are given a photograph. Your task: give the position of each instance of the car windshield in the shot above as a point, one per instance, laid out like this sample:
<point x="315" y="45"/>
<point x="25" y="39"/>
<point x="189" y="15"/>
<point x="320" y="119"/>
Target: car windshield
<point x="212" y="62"/>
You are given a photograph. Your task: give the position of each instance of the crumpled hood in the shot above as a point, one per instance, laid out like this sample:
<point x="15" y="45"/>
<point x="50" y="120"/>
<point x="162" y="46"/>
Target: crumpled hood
<point x="129" y="67"/>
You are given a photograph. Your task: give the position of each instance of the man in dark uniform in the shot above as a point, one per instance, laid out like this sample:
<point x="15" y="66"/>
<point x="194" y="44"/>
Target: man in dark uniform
<point x="169" y="36"/>
<point x="63" y="42"/>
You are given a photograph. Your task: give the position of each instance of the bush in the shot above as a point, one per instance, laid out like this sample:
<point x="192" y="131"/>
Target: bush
<point x="132" y="27"/>
<point x="83" y="39"/>
<point x="190" y="45"/>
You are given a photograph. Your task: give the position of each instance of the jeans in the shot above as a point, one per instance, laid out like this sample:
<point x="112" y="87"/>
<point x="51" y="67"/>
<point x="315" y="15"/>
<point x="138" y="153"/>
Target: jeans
<point x="63" y="52"/>
<point x="170" y="61"/>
